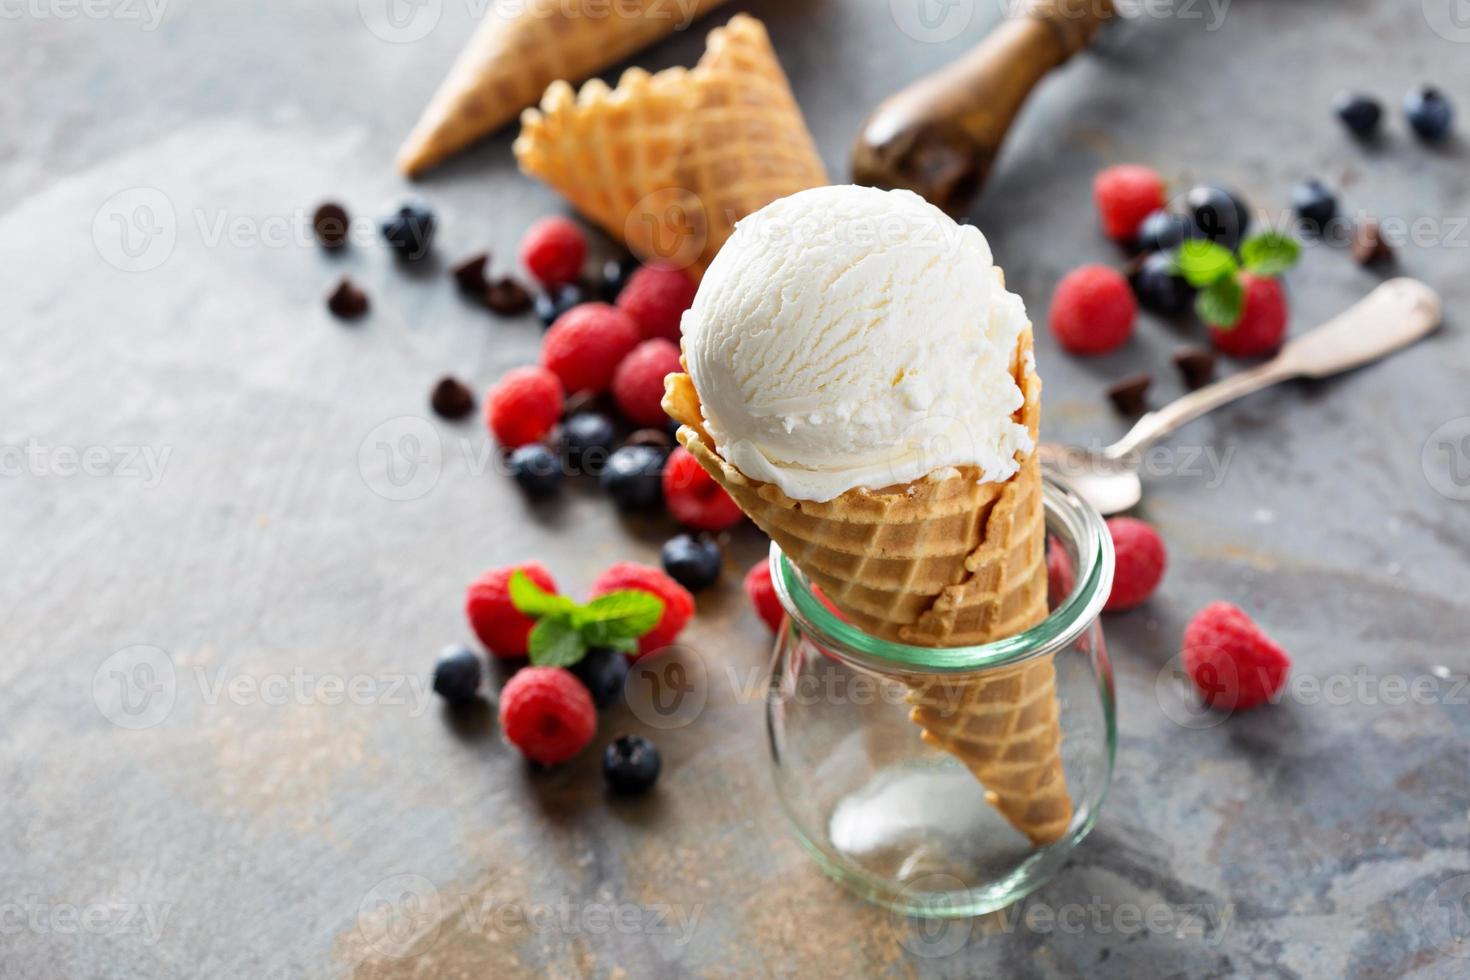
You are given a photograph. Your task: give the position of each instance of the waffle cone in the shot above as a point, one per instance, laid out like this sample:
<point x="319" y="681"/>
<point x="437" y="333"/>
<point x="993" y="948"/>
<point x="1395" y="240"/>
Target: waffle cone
<point x="667" y="163"/>
<point x="947" y="560"/>
<point x="521" y="48"/>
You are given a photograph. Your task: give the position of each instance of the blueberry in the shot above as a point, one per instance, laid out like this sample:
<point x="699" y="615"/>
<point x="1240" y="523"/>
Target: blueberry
<point x="1164" y="230"/>
<point x="633" y="478"/>
<point x="630" y="764"/>
<point x="550" y="306"/>
<point x="587" y="441"/>
<point x="1314" y="203"/>
<point x="457" y="675"/>
<point x="693" y="562"/>
<point x="1219" y="215"/>
<point x="1429" y="112"/>
<point x="602" y="671"/>
<point x="615" y="275"/>
<point x="1160" y="288"/>
<point x="409" y="229"/>
<point x="537" y="470"/>
<point x="1361" y="114"/>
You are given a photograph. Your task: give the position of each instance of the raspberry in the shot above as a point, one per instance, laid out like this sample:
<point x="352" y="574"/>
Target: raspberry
<point x="693" y="496"/>
<point x="1092" y="310"/>
<point x="1262" y="324"/>
<point x="523" y="406"/>
<point x="1125" y="195"/>
<point x="1140" y="562"/>
<point x="763" y="596"/>
<point x="499" y="625"/>
<point x="1231" y="662"/>
<point x="678" y="603"/>
<point x="638" y="383"/>
<point x="1061" y="574"/>
<point x="585" y="345"/>
<point x="656" y="298"/>
<point x="554" y="249"/>
<point x="547" y="714"/>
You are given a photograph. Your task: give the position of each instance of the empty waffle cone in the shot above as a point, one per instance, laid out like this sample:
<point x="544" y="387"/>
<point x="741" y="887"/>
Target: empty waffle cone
<point x="667" y="163"/>
<point x="944" y="561"/>
<point x="522" y="47"/>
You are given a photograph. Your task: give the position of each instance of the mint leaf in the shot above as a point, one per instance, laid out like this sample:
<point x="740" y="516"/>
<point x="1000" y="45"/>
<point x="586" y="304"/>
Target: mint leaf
<point x="555" y="642"/>
<point x="1204" y="263"/>
<point x="1220" y="304"/>
<point x="534" y="601"/>
<point x="1270" y="253"/>
<point x="628" y="613"/>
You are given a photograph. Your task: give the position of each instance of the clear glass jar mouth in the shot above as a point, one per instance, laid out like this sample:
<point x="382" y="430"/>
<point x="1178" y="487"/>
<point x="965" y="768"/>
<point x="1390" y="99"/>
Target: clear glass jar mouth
<point x="1066" y="512"/>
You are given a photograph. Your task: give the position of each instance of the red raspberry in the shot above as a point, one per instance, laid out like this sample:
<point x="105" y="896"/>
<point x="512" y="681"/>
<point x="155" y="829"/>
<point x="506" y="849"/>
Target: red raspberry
<point x="678" y="603"/>
<point x="656" y="297"/>
<point x="638" y="383"/>
<point x="586" y="344"/>
<point x="523" y="406"/>
<point x="1262" y="324"/>
<point x="1140" y="562"/>
<point x="1092" y="311"/>
<point x="554" y="249"/>
<point x="763" y="596"/>
<point x="1061" y="574"/>
<point x="1125" y="195"/>
<point x="547" y="714"/>
<point x="499" y="625"/>
<point x="693" y="496"/>
<point x="1232" y="663"/>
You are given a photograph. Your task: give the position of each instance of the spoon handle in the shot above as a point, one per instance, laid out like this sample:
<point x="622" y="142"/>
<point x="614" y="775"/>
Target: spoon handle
<point x="1156" y="425"/>
<point x="1393" y="316"/>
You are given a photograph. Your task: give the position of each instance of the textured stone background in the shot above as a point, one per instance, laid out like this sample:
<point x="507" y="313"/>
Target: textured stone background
<point x="249" y="831"/>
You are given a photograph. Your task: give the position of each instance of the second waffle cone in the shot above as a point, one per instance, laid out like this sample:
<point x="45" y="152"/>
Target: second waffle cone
<point x="943" y="561"/>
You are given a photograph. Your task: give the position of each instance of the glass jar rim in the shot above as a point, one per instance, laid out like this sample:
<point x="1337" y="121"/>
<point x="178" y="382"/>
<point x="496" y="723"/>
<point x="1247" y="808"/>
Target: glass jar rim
<point x="1094" y="579"/>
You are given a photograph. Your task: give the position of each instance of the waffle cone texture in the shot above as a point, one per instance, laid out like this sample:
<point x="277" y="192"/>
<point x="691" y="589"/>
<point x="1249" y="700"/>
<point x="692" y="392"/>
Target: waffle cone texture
<point x="944" y="561"/>
<point x="523" y="46"/>
<point x="667" y="163"/>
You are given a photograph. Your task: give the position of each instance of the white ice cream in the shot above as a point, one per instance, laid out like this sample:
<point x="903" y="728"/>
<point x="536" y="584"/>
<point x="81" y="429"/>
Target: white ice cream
<point x="850" y="337"/>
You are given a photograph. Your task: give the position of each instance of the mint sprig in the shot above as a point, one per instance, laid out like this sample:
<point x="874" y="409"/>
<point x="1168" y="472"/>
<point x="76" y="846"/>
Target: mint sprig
<point x="1215" y="271"/>
<point x="565" y="630"/>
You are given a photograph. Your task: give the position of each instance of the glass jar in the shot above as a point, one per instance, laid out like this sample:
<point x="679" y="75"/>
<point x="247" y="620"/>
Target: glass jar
<point x="902" y="822"/>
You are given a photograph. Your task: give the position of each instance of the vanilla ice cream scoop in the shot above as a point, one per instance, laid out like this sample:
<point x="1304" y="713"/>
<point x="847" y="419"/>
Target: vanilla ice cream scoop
<point x="850" y="337"/>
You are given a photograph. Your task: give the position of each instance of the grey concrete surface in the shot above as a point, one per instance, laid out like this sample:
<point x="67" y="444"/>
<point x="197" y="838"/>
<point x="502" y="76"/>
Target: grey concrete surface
<point x="235" y="533"/>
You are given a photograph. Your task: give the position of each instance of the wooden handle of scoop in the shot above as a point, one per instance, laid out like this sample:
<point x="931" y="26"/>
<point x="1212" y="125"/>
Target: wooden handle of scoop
<point x="940" y="136"/>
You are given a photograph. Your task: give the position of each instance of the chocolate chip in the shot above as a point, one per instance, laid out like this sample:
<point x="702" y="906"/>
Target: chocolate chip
<point x="330" y="222"/>
<point x="584" y="401"/>
<point x="470" y="274"/>
<point x="1369" y="248"/>
<point x="654" y="438"/>
<point x="347" y="302"/>
<point x="1130" y="396"/>
<point x="451" y="399"/>
<point x="1196" y="366"/>
<point x="507" y="297"/>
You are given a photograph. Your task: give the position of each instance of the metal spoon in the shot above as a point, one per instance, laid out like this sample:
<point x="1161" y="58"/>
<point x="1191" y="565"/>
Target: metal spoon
<point x="1391" y="317"/>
